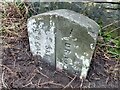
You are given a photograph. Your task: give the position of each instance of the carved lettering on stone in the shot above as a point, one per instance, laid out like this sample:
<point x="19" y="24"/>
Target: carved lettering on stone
<point x="63" y="38"/>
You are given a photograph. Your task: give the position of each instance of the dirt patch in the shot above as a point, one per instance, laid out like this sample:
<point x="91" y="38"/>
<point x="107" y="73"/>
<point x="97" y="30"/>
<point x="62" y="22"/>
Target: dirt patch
<point x="21" y="69"/>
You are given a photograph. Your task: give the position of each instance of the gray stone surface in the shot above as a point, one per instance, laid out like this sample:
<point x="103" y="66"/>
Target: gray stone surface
<point x="63" y="38"/>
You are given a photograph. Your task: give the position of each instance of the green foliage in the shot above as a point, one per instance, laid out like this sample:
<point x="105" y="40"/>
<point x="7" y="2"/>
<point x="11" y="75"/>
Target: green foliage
<point x="111" y="41"/>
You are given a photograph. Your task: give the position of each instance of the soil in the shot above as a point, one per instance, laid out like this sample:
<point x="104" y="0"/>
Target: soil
<point x="21" y="69"/>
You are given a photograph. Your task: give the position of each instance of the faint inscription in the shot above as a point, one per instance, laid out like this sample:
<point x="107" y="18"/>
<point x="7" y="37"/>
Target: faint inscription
<point x="63" y="38"/>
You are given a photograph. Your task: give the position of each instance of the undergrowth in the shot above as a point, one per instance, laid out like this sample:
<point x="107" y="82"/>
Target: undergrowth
<point x="14" y="20"/>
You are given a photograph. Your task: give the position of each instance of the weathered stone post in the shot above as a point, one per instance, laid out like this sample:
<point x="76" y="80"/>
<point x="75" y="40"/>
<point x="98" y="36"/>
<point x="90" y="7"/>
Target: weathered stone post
<point x="63" y="38"/>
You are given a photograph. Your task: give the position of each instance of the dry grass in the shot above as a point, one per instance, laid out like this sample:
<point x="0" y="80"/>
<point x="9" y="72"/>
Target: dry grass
<point x="14" y="28"/>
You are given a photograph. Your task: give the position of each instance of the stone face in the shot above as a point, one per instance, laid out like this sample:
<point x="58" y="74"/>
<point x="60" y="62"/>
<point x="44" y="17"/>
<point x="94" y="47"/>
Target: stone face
<point x="63" y="38"/>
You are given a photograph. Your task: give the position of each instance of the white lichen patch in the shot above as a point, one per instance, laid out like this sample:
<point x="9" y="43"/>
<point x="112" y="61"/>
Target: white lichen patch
<point x="50" y="39"/>
<point x="42" y="42"/>
<point x="65" y="38"/>
<point x="77" y="55"/>
<point x="85" y="67"/>
<point x="74" y="39"/>
<point x="59" y="65"/>
<point x="92" y="46"/>
<point x="86" y="54"/>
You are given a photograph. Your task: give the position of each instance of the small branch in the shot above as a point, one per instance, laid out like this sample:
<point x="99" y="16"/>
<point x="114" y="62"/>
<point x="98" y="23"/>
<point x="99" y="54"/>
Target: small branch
<point x="81" y="83"/>
<point x="113" y="30"/>
<point x="110" y="24"/>
<point x="108" y="45"/>
<point x="46" y="83"/>
<point x="14" y="59"/>
<point x="51" y="82"/>
<point x="2" y="79"/>
<point x="39" y="81"/>
<point x="27" y="84"/>
<point x="107" y="80"/>
<point x="11" y="32"/>
<point x="70" y="82"/>
<point x="102" y="51"/>
<point x="32" y="78"/>
<point x="117" y="37"/>
<point x="8" y="69"/>
<point x="57" y="84"/>
<point x="42" y="73"/>
<point x="68" y="76"/>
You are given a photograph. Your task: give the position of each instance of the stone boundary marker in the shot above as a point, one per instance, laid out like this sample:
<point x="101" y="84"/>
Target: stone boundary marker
<point x="64" y="39"/>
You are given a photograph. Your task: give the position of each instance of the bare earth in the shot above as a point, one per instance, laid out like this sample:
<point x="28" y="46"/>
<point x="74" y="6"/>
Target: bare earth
<point x="21" y="69"/>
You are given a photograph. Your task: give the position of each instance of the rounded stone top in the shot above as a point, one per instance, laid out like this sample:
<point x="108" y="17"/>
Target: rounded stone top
<point x="84" y="21"/>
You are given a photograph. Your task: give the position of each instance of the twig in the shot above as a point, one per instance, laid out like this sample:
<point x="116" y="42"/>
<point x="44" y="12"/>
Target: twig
<point x="81" y="83"/>
<point x="57" y="84"/>
<point x="113" y="30"/>
<point x="6" y="45"/>
<point x="27" y="53"/>
<point x="2" y="79"/>
<point x="114" y="53"/>
<point x="42" y="73"/>
<point x="107" y="80"/>
<point x="14" y="59"/>
<point x="11" y="32"/>
<point x="89" y="85"/>
<point x="110" y="24"/>
<point x="108" y="45"/>
<point x="51" y="82"/>
<point x="117" y="37"/>
<point x="27" y="84"/>
<point x="29" y="78"/>
<point x="68" y="76"/>
<point x="102" y="51"/>
<point x="39" y="81"/>
<point x="70" y="82"/>
<point x="32" y="78"/>
<point x="46" y="83"/>
<point x="8" y="69"/>
<point x="106" y="56"/>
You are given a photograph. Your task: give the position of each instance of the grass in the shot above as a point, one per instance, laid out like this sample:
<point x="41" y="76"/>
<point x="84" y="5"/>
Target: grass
<point x="109" y="39"/>
<point x="16" y="14"/>
<point x="14" y="19"/>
